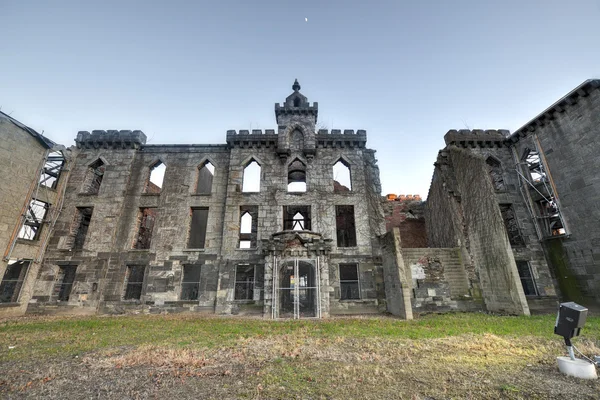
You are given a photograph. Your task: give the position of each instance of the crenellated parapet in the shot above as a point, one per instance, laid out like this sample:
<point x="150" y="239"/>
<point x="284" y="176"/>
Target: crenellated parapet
<point x="306" y="109"/>
<point x="403" y="197"/>
<point x="324" y="138"/>
<point x="111" y="139"/>
<point x="476" y="137"/>
<point x="339" y="138"/>
<point x="254" y="138"/>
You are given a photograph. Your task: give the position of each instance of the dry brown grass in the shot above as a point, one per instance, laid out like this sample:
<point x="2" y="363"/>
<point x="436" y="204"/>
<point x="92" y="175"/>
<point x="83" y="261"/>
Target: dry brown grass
<point x="466" y="366"/>
<point x="436" y="357"/>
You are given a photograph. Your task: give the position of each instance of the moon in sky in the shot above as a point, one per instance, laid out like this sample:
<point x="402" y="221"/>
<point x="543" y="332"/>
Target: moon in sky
<point x="305" y="19"/>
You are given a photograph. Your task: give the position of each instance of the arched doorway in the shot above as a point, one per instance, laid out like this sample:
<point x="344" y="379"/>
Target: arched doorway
<point x="296" y="290"/>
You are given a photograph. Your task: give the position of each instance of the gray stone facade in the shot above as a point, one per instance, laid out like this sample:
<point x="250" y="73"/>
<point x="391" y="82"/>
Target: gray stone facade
<point x="290" y="222"/>
<point x="106" y="260"/>
<point x="567" y="138"/>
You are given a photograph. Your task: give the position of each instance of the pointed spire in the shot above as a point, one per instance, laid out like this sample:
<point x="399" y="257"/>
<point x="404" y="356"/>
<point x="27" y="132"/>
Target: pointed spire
<point x="296" y="85"/>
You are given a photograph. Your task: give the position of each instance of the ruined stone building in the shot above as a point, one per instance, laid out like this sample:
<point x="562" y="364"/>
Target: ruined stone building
<point x="290" y="222"/>
<point x="543" y="190"/>
<point x="29" y="194"/>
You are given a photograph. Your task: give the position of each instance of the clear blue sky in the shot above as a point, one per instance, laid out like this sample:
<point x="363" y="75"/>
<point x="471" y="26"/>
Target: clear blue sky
<point x="187" y="71"/>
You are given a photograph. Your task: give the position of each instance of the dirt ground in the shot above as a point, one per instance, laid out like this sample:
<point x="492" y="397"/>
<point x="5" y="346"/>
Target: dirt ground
<point x="289" y="367"/>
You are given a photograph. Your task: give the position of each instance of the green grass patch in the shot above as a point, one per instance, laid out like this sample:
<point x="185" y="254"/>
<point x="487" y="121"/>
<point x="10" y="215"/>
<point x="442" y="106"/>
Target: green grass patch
<point x="53" y="337"/>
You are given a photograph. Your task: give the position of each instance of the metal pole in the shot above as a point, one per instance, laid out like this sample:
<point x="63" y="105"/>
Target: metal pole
<point x="318" y="288"/>
<point x="274" y="289"/>
<point x="296" y="290"/>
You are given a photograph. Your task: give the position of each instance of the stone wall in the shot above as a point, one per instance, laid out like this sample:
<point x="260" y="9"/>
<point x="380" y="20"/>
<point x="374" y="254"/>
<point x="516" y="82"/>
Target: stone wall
<point x="110" y="244"/>
<point x="396" y="276"/>
<point x="567" y="134"/>
<point x="462" y="196"/>
<point x="22" y="156"/>
<point x="438" y="280"/>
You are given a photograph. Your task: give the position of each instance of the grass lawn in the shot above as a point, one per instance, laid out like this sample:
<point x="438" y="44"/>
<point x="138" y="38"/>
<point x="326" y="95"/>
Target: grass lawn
<point x="434" y="357"/>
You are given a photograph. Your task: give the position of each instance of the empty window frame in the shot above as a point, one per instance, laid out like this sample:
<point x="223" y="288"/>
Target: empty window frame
<point x="12" y="281"/>
<point x="34" y="217"/>
<point x="342" y="181"/>
<point x="297" y="177"/>
<point x="64" y="282"/>
<point x="345" y="226"/>
<point x="52" y="168"/>
<point x="198" y="224"/>
<point x="549" y="218"/>
<point x="251" y="178"/>
<point x="512" y="225"/>
<point x="156" y="177"/>
<point x="527" y="280"/>
<point x="534" y="166"/>
<point x="244" y="282"/>
<point x="296" y="218"/>
<point x="94" y="176"/>
<point x="495" y="172"/>
<point x="248" y="227"/>
<point x="134" y="282"/>
<point x="190" y="282"/>
<point x="146" y="219"/>
<point x="83" y="217"/>
<point x="349" y="283"/>
<point x="206" y="173"/>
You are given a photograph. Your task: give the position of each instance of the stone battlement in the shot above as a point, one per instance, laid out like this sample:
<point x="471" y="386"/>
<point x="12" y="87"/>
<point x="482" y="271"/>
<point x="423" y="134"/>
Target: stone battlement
<point x="303" y="108"/>
<point x="476" y="137"/>
<point x="335" y="137"/>
<point x="124" y="139"/>
<point x="253" y="138"/>
<point x="359" y="132"/>
<point x="252" y="132"/>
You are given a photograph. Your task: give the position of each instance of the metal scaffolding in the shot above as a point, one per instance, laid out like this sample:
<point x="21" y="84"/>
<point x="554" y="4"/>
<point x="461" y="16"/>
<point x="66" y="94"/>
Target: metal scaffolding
<point x="538" y="190"/>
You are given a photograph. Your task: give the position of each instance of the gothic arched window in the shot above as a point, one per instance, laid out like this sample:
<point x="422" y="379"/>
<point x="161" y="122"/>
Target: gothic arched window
<point x="156" y="177"/>
<point x="495" y="170"/>
<point x="342" y="181"/>
<point x="297" y="176"/>
<point x="251" y="179"/>
<point x="205" y="178"/>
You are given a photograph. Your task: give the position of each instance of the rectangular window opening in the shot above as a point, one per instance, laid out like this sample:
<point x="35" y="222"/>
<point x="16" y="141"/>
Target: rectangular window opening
<point x="12" y="281"/>
<point x="512" y="225"/>
<point x="34" y="217"/>
<point x="190" y="282"/>
<point x="345" y="227"/>
<point x="81" y="225"/>
<point x="146" y="219"/>
<point x="549" y="218"/>
<point x="527" y="280"/>
<point x="349" y="283"/>
<point x="134" y="282"/>
<point x="52" y="168"/>
<point x="64" y="282"/>
<point x="244" y="282"/>
<point x="197" y="234"/>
